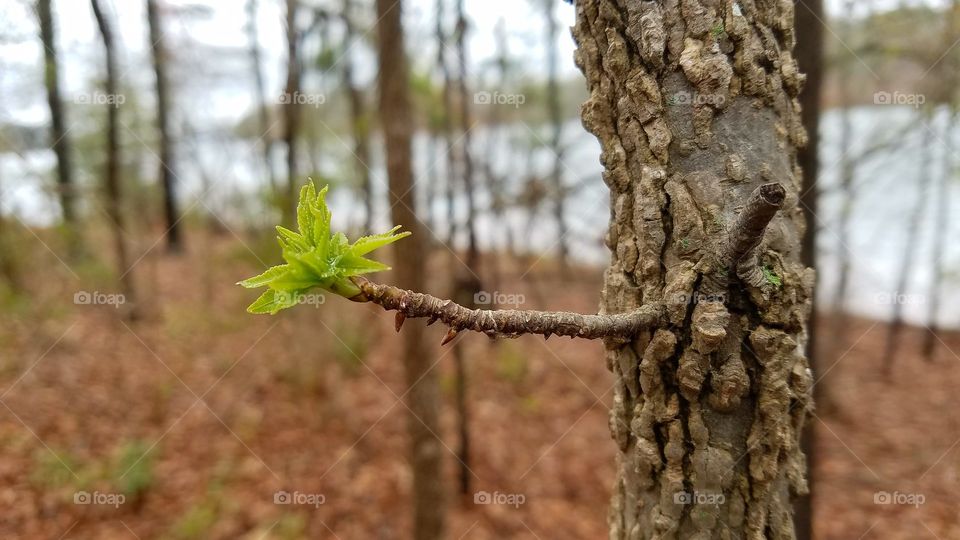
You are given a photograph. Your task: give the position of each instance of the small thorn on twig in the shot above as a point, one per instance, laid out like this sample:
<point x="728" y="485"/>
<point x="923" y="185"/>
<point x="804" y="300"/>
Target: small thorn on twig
<point x="431" y="320"/>
<point x="546" y="335"/>
<point x="398" y="321"/>
<point x="452" y="333"/>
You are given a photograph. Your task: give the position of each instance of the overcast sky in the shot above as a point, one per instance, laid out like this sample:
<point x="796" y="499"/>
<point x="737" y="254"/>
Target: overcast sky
<point x="223" y="27"/>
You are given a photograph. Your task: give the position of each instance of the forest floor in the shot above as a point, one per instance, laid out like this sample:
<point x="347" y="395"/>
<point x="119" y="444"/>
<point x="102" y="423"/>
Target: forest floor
<point x="200" y="414"/>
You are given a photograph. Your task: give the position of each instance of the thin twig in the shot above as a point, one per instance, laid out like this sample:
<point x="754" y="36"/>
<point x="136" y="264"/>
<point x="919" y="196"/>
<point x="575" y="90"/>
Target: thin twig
<point x="507" y="322"/>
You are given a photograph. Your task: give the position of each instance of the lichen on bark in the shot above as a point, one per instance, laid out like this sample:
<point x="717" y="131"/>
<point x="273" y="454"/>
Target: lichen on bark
<point x="694" y="104"/>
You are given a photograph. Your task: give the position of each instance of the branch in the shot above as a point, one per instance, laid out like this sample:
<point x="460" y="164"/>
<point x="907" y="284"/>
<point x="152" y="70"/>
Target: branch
<point x="747" y="232"/>
<point x="507" y="322"/>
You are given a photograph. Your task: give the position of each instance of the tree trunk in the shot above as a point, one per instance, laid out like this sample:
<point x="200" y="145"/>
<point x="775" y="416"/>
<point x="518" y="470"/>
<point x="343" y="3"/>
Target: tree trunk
<point x="265" y="137"/>
<point x="291" y="112"/>
<point x="447" y="124"/>
<point x="60" y="141"/>
<point x="423" y="396"/>
<point x="556" y="123"/>
<point x="898" y="296"/>
<point x="695" y="108"/>
<point x="359" y="121"/>
<point x="466" y="282"/>
<point x="810" y="60"/>
<point x="112" y="184"/>
<point x="941" y="224"/>
<point x="167" y="165"/>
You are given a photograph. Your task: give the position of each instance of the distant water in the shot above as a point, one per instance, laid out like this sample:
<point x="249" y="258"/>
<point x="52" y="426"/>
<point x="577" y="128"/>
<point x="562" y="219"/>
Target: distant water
<point x="887" y="185"/>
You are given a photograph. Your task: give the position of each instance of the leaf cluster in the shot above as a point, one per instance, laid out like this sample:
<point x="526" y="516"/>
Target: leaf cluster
<point x="316" y="257"/>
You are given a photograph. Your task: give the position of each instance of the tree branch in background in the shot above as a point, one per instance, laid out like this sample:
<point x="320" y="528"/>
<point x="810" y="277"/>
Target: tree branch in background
<point x="507" y="322"/>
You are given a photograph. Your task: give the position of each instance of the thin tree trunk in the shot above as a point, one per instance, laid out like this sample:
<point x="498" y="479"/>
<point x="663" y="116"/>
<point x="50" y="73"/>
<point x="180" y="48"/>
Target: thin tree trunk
<point x="708" y="410"/>
<point x="60" y="139"/>
<point x="266" y="138"/>
<point x="942" y="218"/>
<point x="898" y="295"/>
<point x="556" y="122"/>
<point x="423" y="397"/>
<point x="447" y="124"/>
<point x="167" y="163"/>
<point x="937" y="254"/>
<point x="466" y="283"/>
<point x="112" y="182"/>
<point x="810" y="60"/>
<point x="359" y="121"/>
<point x="291" y="111"/>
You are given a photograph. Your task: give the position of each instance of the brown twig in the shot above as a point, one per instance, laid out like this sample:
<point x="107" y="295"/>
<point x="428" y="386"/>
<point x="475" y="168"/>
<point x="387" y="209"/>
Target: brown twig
<point x="507" y="322"/>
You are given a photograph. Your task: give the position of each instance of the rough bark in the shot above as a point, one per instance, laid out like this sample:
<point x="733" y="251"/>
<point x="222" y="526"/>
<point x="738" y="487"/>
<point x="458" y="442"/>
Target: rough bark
<point x="291" y="111"/>
<point x="423" y="396"/>
<point x="60" y="139"/>
<point x="167" y="165"/>
<point x="112" y="181"/>
<point x="263" y="111"/>
<point x="809" y="25"/>
<point x="711" y="405"/>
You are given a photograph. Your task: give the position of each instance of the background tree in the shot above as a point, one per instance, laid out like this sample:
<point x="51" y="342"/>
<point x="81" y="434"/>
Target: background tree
<point x="291" y="111"/>
<point x="112" y="181"/>
<point x="168" y="177"/>
<point x="59" y="134"/>
<point x="423" y="397"/>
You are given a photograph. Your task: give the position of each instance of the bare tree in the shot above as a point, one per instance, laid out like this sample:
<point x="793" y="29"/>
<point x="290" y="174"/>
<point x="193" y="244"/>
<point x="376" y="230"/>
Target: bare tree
<point x="291" y="110"/>
<point x="359" y="118"/>
<point x="59" y="134"/>
<point x="556" y="138"/>
<point x="948" y="79"/>
<point x="112" y="182"/>
<point x="263" y="110"/>
<point x="167" y="159"/>
<point x="910" y="246"/>
<point x="423" y="396"/>
<point x="810" y="60"/>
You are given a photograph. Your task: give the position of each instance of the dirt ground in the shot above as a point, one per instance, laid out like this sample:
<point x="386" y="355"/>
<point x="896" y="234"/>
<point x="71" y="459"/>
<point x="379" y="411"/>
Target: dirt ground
<point x="200" y="416"/>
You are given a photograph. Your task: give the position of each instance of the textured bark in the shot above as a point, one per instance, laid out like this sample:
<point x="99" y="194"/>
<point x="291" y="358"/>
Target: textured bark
<point x="112" y="181"/>
<point x="60" y="140"/>
<point x="507" y="322"/>
<point x="423" y="397"/>
<point x="711" y="405"/>
<point x="167" y="165"/>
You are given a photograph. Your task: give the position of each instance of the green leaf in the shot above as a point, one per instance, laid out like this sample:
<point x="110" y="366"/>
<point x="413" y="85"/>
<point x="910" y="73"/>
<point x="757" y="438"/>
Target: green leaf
<point x="316" y="257"/>
<point x="265" y="278"/>
<point x="366" y="244"/>
<point x="271" y="302"/>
